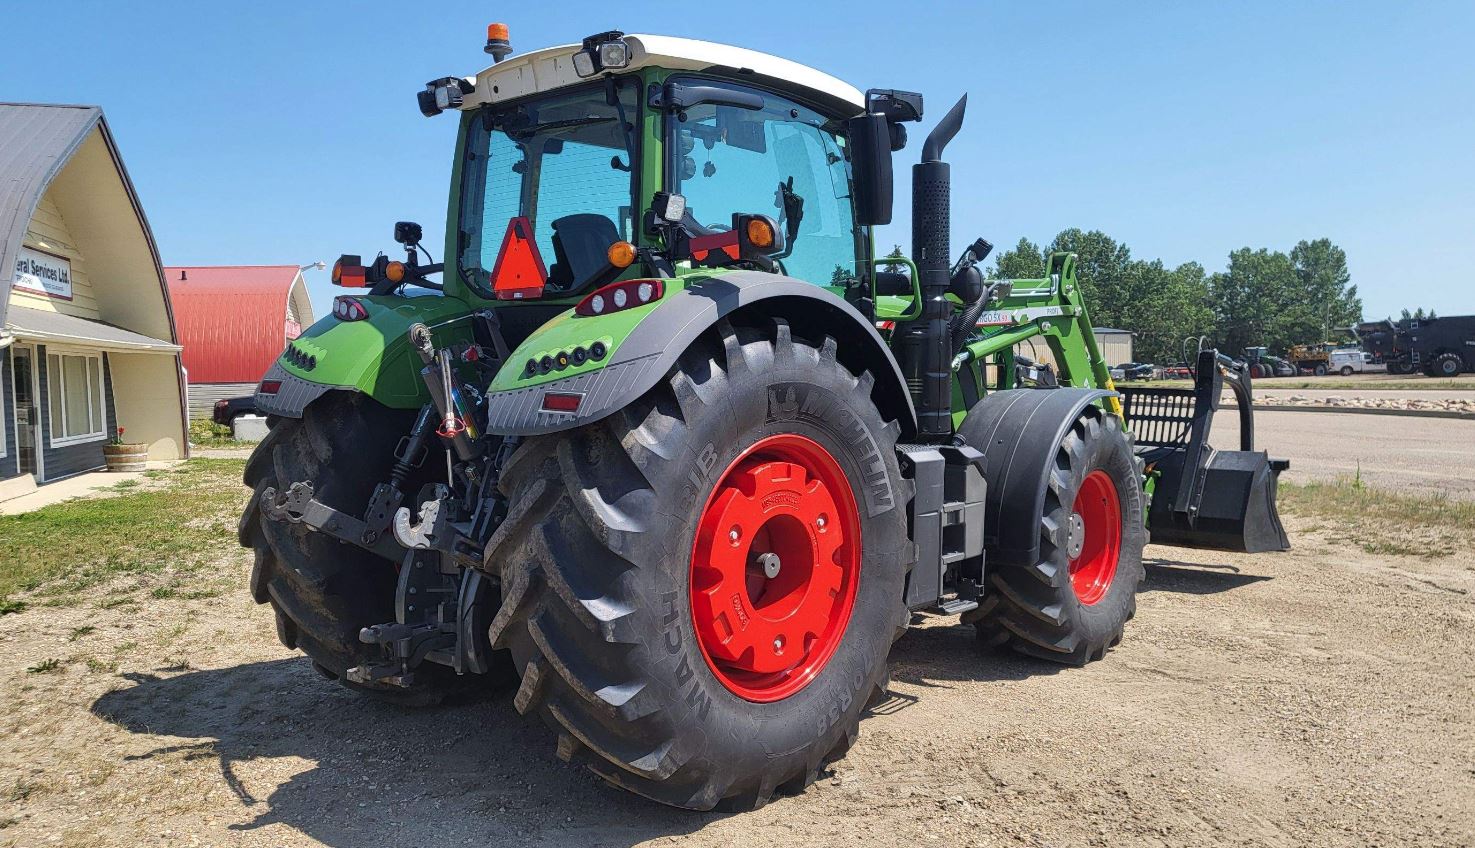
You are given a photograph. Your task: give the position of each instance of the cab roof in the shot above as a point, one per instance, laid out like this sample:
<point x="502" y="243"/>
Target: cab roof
<point x="553" y="67"/>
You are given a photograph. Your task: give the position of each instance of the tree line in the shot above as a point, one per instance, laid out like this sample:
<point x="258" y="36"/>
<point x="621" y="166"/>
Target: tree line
<point x="1263" y="297"/>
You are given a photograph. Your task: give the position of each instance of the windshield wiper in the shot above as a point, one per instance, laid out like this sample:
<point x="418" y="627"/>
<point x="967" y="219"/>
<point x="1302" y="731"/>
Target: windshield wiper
<point x="529" y="131"/>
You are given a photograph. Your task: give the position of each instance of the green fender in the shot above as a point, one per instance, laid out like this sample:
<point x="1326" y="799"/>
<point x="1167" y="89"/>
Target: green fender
<point x="371" y="355"/>
<point x="645" y="342"/>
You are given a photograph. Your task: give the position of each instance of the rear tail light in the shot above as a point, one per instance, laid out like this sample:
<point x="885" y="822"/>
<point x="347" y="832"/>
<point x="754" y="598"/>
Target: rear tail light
<point x="350" y="271"/>
<point x="561" y="402"/>
<point x="349" y="308"/>
<point x="270" y="387"/>
<point x="623" y="295"/>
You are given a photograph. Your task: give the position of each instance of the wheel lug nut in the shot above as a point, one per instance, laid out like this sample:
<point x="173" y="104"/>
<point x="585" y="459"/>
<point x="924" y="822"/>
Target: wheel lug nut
<point x="820" y="522"/>
<point x="778" y="644"/>
<point x="733" y="535"/>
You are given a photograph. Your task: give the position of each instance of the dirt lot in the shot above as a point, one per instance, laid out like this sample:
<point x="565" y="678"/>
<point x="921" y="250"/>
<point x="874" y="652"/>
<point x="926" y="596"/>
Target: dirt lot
<point x="1321" y="697"/>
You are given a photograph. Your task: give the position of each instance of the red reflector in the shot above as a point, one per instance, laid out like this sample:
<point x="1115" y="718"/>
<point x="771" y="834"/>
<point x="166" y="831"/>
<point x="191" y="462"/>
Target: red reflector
<point x="270" y="387"/>
<point x="519" y="272"/>
<point x="354" y="277"/>
<point x="561" y="402"/>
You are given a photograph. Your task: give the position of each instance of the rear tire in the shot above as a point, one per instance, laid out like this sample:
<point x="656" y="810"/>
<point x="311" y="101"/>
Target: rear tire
<point x="1058" y="608"/>
<point x="1447" y="365"/>
<point x="1346" y="370"/>
<point x="1320" y="369"/>
<point x="602" y="609"/>
<point x="323" y="591"/>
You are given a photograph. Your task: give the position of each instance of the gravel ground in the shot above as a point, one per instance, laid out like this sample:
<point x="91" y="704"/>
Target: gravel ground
<point x="1400" y="453"/>
<point x="1320" y="697"/>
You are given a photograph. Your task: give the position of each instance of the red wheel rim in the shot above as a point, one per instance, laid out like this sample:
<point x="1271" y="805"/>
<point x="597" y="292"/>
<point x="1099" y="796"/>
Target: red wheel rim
<point x="775" y="567"/>
<point x="1095" y="541"/>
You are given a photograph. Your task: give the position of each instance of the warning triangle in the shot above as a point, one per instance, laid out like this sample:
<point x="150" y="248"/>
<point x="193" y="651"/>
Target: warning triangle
<point x="519" y="272"/>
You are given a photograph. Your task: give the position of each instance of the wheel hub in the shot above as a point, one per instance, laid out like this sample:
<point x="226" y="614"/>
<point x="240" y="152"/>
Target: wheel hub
<point x="775" y="567"/>
<point x="1094" y="538"/>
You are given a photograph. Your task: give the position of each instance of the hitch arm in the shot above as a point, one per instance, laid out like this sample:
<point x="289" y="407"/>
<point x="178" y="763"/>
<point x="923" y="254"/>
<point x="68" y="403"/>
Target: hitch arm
<point x="298" y="506"/>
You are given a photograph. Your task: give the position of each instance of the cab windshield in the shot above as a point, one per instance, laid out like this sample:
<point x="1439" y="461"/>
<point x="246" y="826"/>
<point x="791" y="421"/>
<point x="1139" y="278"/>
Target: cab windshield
<point x="567" y="162"/>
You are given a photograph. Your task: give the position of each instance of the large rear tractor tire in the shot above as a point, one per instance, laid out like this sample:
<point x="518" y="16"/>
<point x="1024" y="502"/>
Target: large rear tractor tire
<point x="701" y="590"/>
<point x="324" y="591"/>
<point x="1447" y="365"/>
<point x="1071" y="606"/>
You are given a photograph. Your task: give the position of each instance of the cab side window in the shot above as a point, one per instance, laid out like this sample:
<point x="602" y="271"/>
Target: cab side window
<point x="783" y="160"/>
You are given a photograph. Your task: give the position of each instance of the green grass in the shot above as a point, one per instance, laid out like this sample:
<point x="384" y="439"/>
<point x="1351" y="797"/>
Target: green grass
<point x="207" y="434"/>
<point x="172" y="528"/>
<point x="1383" y="522"/>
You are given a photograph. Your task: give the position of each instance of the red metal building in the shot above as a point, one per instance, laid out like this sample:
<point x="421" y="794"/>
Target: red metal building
<point x="233" y="322"/>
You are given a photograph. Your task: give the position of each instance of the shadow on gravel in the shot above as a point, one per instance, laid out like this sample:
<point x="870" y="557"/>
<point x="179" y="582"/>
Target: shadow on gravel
<point x="1165" y="575"/>
<point x="376" y="774"/>
<point x="935" y="657"/>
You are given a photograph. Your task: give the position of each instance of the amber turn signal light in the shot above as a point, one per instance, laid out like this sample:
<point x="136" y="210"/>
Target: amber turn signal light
<point x="395" y="272"/>
<point x="621" y="254"/>
<point x="760" y="233"/>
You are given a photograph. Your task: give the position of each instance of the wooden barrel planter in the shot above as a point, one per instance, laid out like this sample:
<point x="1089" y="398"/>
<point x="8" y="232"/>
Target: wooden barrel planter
<point x="126" y="457"/>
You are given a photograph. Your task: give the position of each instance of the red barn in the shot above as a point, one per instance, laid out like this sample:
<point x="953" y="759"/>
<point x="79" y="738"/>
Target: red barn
<point x="233" y="322"/>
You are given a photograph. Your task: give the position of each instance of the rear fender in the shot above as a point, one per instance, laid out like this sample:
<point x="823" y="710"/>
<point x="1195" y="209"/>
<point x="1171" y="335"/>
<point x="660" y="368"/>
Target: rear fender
<point x="1017" y="430"/>
<point x="643" y="350"/>
<point x="372" y="355"/>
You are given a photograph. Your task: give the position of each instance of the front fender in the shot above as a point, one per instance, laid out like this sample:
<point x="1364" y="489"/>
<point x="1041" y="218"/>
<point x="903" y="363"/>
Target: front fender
<point x="372" y="356"/>
<point x="1018" y="431"/>
<point x="644" y="343"/>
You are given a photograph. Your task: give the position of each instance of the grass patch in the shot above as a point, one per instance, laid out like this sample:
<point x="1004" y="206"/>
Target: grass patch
<point x="207" y="434"/>
<point x="8" y="606"/>
<point x="1382" y="522"/>
<point x="180" y="525"/>
<point x="45" y="666"/>
<point x="79" y="632"/>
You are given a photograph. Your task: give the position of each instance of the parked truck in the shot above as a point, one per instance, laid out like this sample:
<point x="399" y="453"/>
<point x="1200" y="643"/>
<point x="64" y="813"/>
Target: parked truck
<point x="1437" y="347"/>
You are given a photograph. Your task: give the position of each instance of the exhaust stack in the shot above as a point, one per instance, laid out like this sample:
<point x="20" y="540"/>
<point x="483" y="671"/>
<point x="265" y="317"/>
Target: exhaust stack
<point x="926" y="341"/>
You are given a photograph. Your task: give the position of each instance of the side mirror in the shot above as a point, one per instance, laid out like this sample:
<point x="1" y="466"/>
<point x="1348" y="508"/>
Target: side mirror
<point x="870" y="162"/>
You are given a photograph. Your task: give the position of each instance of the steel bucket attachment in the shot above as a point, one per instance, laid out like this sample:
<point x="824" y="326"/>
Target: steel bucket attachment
<point x="1202" y="497"/>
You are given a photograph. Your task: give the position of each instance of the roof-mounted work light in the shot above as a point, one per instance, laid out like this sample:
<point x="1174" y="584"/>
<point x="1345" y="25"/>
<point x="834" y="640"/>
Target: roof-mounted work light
<point x="442" y="94"/>
<point x="606" y="51"/>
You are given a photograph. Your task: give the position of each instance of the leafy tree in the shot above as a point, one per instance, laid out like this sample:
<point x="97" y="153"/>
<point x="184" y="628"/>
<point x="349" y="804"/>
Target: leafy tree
<point x="1417" y="315"/>
<point x="1024" y="262"/>
<point x="1325" y="301"/>
<point x="894" y="266"/>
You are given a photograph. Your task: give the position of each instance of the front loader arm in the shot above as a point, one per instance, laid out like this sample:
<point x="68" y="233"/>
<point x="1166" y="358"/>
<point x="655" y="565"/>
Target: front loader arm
<point x="1052" y="308"/>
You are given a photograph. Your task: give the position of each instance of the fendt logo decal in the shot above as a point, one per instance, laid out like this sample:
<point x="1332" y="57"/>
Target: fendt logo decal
<point x="813" y="405"/>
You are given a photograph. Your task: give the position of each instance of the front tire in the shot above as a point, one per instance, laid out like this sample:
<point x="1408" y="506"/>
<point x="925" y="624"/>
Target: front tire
<point x="1071" y="605"/>
<point x="620" y="583"/>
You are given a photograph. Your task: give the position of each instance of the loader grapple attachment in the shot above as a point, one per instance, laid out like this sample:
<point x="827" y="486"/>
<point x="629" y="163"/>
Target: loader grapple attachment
<point x="1204" y="497"/>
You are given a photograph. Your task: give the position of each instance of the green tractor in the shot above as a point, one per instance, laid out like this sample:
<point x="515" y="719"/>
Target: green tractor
<point x="674" y="456"/>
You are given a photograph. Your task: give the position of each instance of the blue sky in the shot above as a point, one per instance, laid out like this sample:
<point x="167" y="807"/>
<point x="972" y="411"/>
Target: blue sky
<point x="287" y="132"/>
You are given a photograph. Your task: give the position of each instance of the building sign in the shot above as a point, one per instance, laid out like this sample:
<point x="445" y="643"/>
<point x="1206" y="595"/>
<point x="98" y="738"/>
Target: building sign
<point x="43" y="273"/>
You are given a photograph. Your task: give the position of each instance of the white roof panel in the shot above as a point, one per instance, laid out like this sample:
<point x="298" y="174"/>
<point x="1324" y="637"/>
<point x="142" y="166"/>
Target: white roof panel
<point x="552" y="67"/>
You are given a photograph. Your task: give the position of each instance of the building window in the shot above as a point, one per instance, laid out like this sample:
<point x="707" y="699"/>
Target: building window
<point x="75" y="389"/>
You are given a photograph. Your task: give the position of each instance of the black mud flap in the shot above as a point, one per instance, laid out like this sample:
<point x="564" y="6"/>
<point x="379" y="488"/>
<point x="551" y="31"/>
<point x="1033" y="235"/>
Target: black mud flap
<point x="1203" y="497"/>
<point x="1230" y="508"/>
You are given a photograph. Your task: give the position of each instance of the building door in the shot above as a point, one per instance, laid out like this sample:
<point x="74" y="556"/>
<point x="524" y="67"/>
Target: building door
<point x="27" y="420"/>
